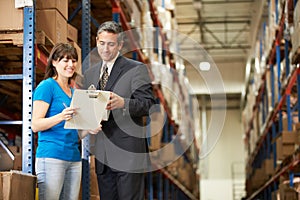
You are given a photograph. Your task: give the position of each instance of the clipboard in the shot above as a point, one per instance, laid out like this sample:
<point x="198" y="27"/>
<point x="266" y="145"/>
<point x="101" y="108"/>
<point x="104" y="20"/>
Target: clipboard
<point x="91" y="110"/>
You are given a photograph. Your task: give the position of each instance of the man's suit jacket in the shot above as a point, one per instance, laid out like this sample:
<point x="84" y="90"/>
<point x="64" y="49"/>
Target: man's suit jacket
<point x="121" y="144"/>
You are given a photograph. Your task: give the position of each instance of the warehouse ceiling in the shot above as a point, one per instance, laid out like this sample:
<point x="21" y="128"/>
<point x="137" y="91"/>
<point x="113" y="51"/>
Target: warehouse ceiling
<point x="227" y="30"/>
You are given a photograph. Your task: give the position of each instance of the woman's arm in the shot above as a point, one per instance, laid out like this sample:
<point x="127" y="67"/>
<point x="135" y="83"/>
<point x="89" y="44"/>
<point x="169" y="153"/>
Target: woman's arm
<point x="40" y="123"/>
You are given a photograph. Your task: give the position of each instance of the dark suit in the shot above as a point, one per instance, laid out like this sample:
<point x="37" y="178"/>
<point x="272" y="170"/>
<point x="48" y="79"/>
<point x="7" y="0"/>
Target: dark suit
<point x="121" y="148"/>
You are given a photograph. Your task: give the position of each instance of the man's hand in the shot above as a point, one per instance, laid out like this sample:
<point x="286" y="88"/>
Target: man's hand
<point x="115" y="102"/>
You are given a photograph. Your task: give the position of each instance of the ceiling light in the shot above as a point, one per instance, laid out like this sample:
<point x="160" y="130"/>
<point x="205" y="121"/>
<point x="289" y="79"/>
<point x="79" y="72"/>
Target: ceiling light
<point x="204" y="66"/>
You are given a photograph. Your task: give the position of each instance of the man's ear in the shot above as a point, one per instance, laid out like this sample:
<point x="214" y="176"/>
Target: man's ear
<point x="121" y="45"/>
<point x="96" y="40"/>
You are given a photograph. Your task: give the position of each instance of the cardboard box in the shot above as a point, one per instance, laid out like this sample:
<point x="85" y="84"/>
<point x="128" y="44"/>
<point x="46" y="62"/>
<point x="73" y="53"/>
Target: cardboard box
<point x="1" y="187"/>
<point x="53" y="24"/>
<point x="289" y="137"/>
<point x="94" y="192"/>
<point x="259" y="178"/>
<point x="268" y="166"/>
<point x="6" y="161"/>
<point x="60" y="5"/>
<point x="296" y="127"/>
<point x="167" y="153"/>
<point x="283" y="150"/>
<point x="72" y="34"/>
<point x="186" y="176"/>
<point x="287" y="193"/>
<point x="156" y="128"/>
<point x="18" y="185"/>
<point x="11" y="17"/>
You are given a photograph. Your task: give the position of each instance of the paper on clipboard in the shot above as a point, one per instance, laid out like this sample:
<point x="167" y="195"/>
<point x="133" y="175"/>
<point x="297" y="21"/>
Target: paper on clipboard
<point x="91" y="110"/>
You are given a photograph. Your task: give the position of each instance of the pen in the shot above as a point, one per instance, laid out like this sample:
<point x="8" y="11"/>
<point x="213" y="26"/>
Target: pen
<point x="65" y="105"/>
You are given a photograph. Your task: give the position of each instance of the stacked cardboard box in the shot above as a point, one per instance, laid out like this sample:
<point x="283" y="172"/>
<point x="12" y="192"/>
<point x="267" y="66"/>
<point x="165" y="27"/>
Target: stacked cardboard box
<point x="72" y="34"/>
<point x="7" y="163"/>
<point x="285" y="144"/>
<point x="259" y="178"/>
<point x="51" y="17"/>
<point x="17" y="185"/>
<point x="15" y="16"/>
<point x="158" y="119"/>
<point x="285" y="192"/>
<point x="93" y="178"/>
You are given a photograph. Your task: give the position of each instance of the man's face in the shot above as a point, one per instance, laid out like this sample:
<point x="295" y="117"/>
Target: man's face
<point x="108" y="46"/>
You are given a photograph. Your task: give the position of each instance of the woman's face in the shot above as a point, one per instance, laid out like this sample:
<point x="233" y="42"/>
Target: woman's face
<point x="65" y="67"/>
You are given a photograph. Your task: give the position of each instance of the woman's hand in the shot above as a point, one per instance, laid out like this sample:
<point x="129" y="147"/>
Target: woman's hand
<point x="68" y="113"/>
<point x="95" y="131"/>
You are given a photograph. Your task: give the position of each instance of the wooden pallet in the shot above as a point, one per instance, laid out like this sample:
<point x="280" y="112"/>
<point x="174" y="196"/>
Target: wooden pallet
<point x="15" y="38"/>
<point x="43" y="42"/>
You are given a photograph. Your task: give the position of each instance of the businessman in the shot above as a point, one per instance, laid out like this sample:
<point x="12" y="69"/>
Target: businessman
<point x="120" y="148"/>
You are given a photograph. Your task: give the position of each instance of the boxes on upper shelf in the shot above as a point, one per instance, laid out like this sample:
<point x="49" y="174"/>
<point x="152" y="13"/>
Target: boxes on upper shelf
<point x="72" y="34"/>
<point x="53" y="24"/>
<point x="11" y="17"/>
<point x="60" y="5"/>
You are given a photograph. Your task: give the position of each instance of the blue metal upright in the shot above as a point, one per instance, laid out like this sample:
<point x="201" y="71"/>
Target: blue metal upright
<point x="298" y="93"/>
<point x="286" y="56"/>
<point x="278" y="58"/>
<point x="172" y="191"/>
<point x="159" y="186"/>
<point x="278" y="69"/>
<point x="265" y="106"/>
<point x="28" y="82"/>
<point x="272" y="85"/>
<point x="288" y="111"/>
<point x="150" y="186"/>
<point x="86" y="48"/>
<point x="274" y="146"/>
<point x="156" y="40"/>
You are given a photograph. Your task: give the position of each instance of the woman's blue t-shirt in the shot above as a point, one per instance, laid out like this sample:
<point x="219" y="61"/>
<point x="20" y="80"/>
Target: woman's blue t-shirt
<point x="56" y="142"/>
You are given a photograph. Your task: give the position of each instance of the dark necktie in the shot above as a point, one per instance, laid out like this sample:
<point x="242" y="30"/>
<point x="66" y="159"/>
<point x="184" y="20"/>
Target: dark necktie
<point x="104" y="78"/>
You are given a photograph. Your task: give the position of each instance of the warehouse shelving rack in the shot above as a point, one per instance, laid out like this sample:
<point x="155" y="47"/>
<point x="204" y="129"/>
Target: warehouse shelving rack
<point x="168" y="187"/>
<point x="27" y="78"/>
<point x="266" y="146"/>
